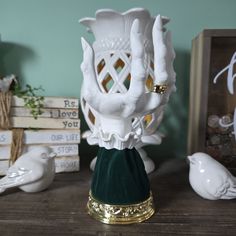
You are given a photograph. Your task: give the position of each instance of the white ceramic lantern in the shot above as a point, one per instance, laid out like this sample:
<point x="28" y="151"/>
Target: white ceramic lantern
<point x="113" y="65"/>
<point x="128" y="77"/>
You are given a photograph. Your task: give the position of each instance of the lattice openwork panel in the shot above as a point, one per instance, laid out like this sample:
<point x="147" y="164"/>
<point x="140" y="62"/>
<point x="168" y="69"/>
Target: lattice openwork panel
<point x="113" y="71"/>
<point x="89" y="113"/>
<point x="113" y="76"/>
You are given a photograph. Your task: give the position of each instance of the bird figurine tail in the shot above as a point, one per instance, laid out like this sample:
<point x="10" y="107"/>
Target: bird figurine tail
<point x="3" y="184"/>
<point x="2" y="190"/>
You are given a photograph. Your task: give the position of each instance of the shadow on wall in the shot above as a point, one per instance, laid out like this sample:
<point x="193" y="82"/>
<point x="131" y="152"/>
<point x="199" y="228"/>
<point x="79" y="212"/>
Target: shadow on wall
<point x="12" y="58"/>
<point x="175" y="122"/>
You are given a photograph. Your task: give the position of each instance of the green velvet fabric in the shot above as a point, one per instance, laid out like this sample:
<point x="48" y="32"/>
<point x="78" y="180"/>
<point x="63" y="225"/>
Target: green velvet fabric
<point x="119" y="177"/>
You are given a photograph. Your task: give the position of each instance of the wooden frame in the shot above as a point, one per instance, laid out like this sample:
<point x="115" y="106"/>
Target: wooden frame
<point x="208" y="57"/>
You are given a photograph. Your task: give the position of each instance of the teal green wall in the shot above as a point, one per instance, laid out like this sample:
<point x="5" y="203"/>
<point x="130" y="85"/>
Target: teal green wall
<point x="41" y="44"/>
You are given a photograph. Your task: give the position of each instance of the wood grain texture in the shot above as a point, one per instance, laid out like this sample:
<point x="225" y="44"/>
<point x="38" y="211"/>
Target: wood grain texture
<point x="61" y="209"/>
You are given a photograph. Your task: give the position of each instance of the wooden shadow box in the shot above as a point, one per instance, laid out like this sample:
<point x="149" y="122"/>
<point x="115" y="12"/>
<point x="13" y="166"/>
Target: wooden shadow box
<point x="212" y="104"/>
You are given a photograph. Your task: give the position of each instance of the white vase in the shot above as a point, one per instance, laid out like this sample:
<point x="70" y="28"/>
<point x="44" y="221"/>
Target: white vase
<point x="112" y="62"/>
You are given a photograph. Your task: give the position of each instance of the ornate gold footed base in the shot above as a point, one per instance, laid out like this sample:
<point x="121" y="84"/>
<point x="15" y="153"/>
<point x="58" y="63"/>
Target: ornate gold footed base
<point x="120" y="214"/>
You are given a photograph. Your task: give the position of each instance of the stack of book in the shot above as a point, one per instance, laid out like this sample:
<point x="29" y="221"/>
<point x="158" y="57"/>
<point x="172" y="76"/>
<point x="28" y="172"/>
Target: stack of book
<point x="57" y="127"/>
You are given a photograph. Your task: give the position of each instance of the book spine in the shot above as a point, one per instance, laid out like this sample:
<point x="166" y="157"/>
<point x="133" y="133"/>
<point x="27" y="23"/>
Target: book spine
<point x="67" y="164"/>
<point x="62" y="164"/>
<point x="47" y="113"/>
<point x="44" y="123"/>
<point x="4" y="165"/>
<point x="43" y="137"/>
<point x="51" y="102"/>
<point x="60" y="150"/>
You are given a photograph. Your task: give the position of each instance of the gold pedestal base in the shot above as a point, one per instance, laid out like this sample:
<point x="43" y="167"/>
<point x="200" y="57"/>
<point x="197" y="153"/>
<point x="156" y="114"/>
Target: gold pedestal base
<point x="120" y="214"/>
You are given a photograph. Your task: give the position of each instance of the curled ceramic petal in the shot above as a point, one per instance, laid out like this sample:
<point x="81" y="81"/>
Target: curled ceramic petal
<point x="114" y="140"/>
<point x="86" y="134"/>
<point x="109" y="37"/>
<point x="154" y="139"/>
<point x="93" y="139"/>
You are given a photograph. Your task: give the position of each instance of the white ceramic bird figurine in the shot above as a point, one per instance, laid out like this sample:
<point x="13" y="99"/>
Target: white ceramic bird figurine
<point x="210" y="179"/>
<point x="32" y="172"/>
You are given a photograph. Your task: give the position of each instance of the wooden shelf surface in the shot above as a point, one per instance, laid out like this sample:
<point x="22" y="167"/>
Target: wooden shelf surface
<point x="61" y="210"/>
